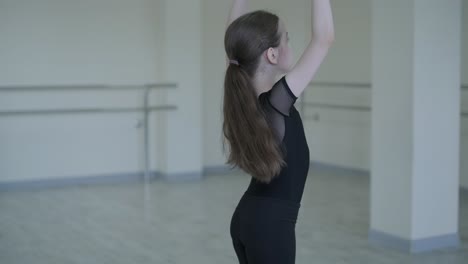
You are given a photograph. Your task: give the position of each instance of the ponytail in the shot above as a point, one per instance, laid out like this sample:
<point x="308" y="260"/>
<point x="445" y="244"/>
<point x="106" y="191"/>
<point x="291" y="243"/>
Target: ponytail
<point x="253" y="146"/>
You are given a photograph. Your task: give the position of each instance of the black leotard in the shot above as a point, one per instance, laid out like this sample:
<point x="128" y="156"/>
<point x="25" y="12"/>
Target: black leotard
<point x="278" y="103"/>
<point x="263" y="224"/>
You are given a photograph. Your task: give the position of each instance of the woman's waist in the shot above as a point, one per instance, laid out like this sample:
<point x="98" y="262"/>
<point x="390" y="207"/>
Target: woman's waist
<point x="268" y="207"/>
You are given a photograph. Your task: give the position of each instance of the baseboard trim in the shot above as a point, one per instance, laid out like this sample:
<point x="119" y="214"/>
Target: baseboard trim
<point x="224" y="169"/>
<point x="174" y="177"/>
<point x="338" y="169"/>
<point x="353" y="171"/>
<point x="183" y="177"/>
<point x="220" y="170"/>
<point x="115" y="178"/>
<point x="464" y="190"/>
<point x="414" y="246"/>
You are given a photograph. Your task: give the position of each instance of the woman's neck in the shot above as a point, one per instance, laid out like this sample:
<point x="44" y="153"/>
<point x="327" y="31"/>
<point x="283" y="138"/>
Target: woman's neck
<point x="263" y="82"/>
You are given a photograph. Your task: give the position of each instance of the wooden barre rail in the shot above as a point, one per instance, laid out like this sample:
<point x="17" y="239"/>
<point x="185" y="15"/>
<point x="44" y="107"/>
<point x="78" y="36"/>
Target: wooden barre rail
<point x="85" y="110"/>
<point x="70" y="87"/>
<point x="146" y="109"/>
<point x="347" y="107"/>
<point x="356" y="85"/>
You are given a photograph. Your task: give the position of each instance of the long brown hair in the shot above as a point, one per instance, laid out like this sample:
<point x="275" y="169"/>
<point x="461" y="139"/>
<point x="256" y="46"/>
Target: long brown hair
<point x="253" y="146"/>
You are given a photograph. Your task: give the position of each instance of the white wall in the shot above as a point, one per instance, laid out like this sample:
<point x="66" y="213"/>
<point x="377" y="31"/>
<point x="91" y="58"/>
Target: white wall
<point x="120" y="41"/>
<point x="465" y="46"/>
<point x="342" y="137"/>
<point x="53" y="42"/>
<point x="214" y="15"/>
<point x="182" y="63"/>
<point x="464" y="99"/>
<point x="89" y="41"/>
<point x="111" y="42"/>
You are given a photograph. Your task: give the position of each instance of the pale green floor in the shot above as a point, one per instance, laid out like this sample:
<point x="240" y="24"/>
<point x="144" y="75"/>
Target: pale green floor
<point x="189" y="222"/>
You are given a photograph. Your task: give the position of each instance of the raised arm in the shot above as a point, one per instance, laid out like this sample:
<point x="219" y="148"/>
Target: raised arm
<point x="323" y="34"/>
<point x="238" y="8"/>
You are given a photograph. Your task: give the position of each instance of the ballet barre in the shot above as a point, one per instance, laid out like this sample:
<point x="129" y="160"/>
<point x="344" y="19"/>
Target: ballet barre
<point x="305" y="104"/>
<point x="68" y="87"/>
<point x="146" y="108"/>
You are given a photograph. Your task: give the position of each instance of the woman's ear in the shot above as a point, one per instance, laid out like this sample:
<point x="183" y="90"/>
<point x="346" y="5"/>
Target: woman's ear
<point x="272" y="55"/>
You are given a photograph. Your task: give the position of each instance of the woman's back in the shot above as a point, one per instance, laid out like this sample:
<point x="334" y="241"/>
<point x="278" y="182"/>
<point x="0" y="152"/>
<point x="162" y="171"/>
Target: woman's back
<point x="285" y="121"/>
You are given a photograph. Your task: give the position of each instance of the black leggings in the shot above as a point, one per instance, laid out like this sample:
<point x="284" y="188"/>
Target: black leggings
<point x="263" y="230"/>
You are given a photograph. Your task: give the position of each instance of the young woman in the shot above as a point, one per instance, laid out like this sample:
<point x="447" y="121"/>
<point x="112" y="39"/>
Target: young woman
<point x="264" y="130"/>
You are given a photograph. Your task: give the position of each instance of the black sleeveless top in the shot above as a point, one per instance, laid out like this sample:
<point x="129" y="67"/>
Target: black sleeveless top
<point x="284" y="119"/>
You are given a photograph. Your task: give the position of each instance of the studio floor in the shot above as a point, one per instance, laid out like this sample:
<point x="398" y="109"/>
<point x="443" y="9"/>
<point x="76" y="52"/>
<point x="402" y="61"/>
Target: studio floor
<point x="188" y="222"/>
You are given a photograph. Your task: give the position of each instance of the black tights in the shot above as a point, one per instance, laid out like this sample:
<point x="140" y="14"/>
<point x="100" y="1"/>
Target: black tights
<point x="263" y="230"/>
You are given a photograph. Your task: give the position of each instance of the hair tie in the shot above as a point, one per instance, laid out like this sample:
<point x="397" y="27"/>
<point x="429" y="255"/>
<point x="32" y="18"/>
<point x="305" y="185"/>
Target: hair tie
<point x="235" y="62"/>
